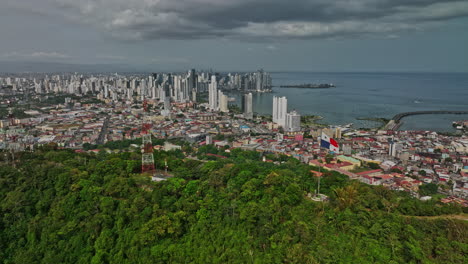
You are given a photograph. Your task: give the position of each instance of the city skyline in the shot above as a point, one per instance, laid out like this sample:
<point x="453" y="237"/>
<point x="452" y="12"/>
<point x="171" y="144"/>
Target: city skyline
<point x="233" y="131"/>
<point x="234" y="36"/>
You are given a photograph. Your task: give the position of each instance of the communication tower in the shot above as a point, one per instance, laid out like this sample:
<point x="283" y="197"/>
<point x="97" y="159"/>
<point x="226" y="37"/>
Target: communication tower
<point x="147" y="158"/>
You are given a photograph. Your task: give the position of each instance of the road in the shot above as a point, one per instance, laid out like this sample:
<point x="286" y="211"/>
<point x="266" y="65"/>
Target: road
<point x="103" y="133"/>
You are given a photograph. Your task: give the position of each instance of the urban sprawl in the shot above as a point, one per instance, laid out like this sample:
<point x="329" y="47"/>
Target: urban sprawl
<point x="80" y="110"/>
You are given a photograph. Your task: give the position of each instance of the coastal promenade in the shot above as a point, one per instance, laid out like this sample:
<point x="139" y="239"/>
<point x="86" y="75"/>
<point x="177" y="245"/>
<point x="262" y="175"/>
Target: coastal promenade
<point x="395" y="122"/>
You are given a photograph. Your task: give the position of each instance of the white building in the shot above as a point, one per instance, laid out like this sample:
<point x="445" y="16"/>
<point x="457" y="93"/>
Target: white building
<point x="393" y="148"/>
<point x="209" y="139"/>
<point x="247" y="106"/>
<point x="293" y="122"/>
<point x="213" y="94"/>
<point x="280" y="108"/>
<point x="223" y="102"/>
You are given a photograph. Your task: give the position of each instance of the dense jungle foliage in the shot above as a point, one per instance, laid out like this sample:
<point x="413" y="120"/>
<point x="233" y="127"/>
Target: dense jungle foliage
<point x="57" y="206"/>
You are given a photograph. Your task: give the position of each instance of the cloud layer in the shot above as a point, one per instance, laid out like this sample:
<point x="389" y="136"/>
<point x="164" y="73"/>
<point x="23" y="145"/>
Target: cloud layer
<point x="255" y="20"/>
<point x="36" y="55"/>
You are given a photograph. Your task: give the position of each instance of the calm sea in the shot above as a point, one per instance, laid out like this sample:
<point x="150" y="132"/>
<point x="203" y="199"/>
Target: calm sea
<point x="367" y="95"/>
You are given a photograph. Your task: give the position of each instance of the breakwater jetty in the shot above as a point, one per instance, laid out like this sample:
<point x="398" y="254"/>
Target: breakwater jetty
<point x="395" y="122"/>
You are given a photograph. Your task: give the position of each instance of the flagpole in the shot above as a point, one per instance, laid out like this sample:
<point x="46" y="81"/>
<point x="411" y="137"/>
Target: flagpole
<point x="320" y="167"/>
<point x="320" y="176"/>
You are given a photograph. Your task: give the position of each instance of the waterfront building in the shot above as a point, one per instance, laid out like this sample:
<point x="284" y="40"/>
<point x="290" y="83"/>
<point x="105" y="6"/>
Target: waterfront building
<point x="247" y="106"/>
<point x="293" y="122"/>
<point x="280" y="108"/>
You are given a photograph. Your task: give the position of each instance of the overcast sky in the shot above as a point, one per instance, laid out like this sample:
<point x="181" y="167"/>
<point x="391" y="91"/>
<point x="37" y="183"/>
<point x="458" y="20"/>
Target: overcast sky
<point x="308" y="35"/>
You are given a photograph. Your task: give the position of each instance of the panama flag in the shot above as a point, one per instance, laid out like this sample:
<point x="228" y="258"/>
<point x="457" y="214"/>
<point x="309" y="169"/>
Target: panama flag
<point x="329" y="143"/>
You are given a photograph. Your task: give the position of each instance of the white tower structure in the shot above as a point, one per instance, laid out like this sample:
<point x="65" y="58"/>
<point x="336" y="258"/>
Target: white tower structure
<point x="280" y="108"/>
<point x="293" y="122"/>
<point x="223" y="102"/>
<point x="247" y="106"/>
<point x="213" y="93"/>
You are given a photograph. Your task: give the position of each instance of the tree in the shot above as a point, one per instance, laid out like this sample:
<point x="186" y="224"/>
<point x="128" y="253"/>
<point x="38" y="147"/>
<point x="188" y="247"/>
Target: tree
<point x="428" y="189"/>
<point x="64" y="207"/>
<point x="396" y="170"/>
<point x="373" y="165"/>
<point x="346" y="196"/>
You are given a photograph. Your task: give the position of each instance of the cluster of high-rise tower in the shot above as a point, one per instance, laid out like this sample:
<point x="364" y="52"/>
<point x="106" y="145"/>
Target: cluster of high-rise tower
<point x="291" y="122"/>
<point x="165" y="87"/>
<point x="179" y="87"/>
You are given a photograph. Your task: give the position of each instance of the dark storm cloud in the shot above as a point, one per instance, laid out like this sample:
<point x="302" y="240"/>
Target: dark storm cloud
<point x="254" y="19"/>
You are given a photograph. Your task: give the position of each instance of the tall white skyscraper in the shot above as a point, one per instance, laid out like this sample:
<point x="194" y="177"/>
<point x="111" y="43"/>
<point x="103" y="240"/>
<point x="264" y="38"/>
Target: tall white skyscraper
<point x="223" y="102"/>
<point x="213" y="93"/>
<point x="194" y="95"/>
<point x="293" y="122"/>
<point x="280" y="108"/>
<point x="393" y="148"/>
<point x="247" y="106"/>
<point x="259" y="80"/>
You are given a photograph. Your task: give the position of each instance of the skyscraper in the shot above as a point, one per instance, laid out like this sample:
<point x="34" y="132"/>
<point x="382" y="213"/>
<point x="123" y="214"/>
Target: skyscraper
<point x="223" y="102"/>
<point x="194" y="95"/>
<point x="192" y="80"/>
<point x="213" y="93"/>
<point x="280" y="108"/>
<point x="393" y="148"/>
<point x="259" y="80"/>
<point x="293" y="122"/>
<point x="247" y="107"/>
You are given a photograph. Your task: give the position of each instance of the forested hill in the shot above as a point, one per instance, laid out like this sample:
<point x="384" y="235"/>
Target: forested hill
<point x="63" y="207"/>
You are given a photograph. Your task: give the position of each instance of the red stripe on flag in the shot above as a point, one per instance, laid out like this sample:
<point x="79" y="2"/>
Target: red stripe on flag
<point x="333" y="142"/>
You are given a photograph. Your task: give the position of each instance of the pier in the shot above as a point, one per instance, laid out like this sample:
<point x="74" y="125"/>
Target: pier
<point x="395" y="123"/>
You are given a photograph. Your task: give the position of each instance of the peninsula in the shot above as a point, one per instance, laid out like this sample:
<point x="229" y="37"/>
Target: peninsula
<point x="310" y="86"/>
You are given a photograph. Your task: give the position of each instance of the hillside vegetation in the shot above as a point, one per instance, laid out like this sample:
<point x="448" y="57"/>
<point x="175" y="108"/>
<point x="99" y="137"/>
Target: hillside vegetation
<point x="62" y="207"/>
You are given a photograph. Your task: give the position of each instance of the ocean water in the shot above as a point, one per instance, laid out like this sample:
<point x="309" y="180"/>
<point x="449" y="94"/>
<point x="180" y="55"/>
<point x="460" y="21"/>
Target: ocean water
<point x="372" y="95"/>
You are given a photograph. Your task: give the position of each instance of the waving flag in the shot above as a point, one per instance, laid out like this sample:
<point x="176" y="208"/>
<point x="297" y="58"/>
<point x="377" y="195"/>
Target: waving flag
<point x="329" y="143"/>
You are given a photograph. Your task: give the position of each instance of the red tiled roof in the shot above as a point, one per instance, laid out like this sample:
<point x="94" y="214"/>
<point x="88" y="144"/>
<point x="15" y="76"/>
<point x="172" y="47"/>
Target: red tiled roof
<point x="369" y="172"/>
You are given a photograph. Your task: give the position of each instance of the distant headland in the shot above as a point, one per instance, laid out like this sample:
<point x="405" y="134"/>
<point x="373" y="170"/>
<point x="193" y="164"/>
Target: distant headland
<point x="310" y="86"/>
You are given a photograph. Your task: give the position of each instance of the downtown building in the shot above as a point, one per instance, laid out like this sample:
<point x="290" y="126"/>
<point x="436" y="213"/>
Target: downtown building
<point x="280" y="109"/>
<point x="293" y="122"/>
<point x="213" y="94"/>
<point x="247" y="106"/>
<point x="223" y="102"/>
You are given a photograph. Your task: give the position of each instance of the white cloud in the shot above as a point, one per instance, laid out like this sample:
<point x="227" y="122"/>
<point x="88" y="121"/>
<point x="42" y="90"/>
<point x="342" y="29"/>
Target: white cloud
<point x="41" y="54"/>
<point x="271" y="47"/>
<point x="318" y="29"/>
<point x="171" y="60"/>
<point x="36" y="55"/>
<point x="111" y="57"/>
